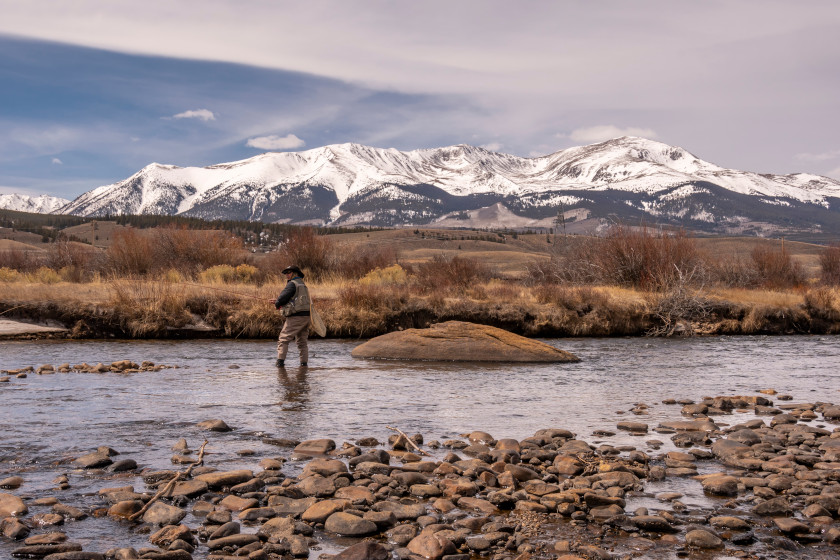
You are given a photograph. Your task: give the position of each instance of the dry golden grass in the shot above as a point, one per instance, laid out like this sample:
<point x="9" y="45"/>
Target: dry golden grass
<point x="751" y="298"/>
<point x="95" y="293"/>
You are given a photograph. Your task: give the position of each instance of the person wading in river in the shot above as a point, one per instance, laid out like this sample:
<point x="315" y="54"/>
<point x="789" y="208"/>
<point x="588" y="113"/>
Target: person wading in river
<point x="294" y="302"/>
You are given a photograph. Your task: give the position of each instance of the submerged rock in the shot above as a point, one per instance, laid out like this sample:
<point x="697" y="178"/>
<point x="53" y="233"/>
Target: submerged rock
<point x="463" y="342"/>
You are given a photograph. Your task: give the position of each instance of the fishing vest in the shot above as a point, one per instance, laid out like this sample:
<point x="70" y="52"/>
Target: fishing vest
<point x="300" y="301"/>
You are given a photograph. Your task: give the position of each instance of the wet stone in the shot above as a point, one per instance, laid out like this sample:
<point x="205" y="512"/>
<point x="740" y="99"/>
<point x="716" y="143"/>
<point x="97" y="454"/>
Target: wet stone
<point x="225" y="479"/>
<point x="69" y="512"/>
<point x="654" y="524"/>
<point x="700" y="538"/>
<point x="12" y="506"/>
<point x="349" y="525"/>
<point x="163" y="514"/>
<point x="13" y="529"/>
<point x="790" y="525"/>
<point x="93" y="460"/>
<point x="214" y="425"/>
<point x="431" y="546"/>
<point x="11" y="483"/>
<point x="721" y="485"/>
<point x="365" y="550"/>
<point x="315" y="447"/>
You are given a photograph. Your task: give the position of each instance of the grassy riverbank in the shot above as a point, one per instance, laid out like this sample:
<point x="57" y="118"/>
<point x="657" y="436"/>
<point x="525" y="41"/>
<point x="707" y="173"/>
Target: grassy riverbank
<point x="165" y="283"/>
<point x="160" y="308"/>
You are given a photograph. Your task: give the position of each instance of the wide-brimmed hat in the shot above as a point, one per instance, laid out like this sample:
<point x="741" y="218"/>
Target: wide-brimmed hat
<point x="294" y="269"/>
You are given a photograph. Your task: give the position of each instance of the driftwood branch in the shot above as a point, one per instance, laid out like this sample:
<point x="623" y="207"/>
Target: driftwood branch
<point x="171" y="484"/>
<point x="408" y="439"/>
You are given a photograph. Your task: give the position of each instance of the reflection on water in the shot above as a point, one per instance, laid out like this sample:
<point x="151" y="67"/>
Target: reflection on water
<point x="50" y="419"/>
<point x="296" y="385"/>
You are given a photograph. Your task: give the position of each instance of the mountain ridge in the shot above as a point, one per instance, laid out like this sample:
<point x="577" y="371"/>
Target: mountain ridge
<point x="346" y="184"/>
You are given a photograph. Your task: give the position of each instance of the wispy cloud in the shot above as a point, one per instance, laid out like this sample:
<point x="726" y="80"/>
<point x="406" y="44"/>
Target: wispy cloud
<point x="56" y="161"/>
<point x="608" y="132"/>
<point x="824" y="156"/>
<point x="834" y="173"/>
<point x="201" y="114"/>
<point x="274" y="142"/>
<point x="493" y="146"/>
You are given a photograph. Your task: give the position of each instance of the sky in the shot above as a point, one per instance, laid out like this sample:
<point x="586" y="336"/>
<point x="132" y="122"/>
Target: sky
<point x="91" y="91"/>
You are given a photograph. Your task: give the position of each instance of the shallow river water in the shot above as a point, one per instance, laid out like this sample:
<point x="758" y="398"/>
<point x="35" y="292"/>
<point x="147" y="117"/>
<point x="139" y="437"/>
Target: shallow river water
<point x="48" y="419"/>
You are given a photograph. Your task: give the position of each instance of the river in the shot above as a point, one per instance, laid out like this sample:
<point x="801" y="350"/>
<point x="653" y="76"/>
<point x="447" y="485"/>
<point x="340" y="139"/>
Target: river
<point x="49" y="419"/>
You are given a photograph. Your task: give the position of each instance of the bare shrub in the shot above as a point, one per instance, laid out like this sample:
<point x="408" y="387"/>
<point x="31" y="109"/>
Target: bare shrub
<point x="830" y="263"/>
<point x="677" y="308"/>
<point x="192" y="250"/>
<point x="305" y="248"/>
<point x="646" y="259"/>
<point x="443" y="273"/>
<point x="132" y="252"/>
<point x="71" y="259"/>
<point x="732" y="271"/>
<point x="775" y="269"/>
<point x="635" y="257"/>
<point x="20" y="260"/>
<point x="355" y="262"/>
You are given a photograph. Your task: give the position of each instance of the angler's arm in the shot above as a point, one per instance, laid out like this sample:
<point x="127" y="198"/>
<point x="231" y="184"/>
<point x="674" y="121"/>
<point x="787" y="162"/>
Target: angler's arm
<point x="285" y="296"/>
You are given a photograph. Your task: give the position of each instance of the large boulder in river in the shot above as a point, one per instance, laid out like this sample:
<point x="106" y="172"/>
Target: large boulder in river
<point x="461" y="342"/>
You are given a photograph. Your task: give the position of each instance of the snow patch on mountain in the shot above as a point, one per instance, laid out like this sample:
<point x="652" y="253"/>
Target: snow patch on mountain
<point x="42" y="204"/>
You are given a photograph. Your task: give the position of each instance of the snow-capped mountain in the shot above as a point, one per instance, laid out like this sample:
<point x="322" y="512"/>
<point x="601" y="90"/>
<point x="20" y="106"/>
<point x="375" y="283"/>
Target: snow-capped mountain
<point x="43" y="204"/>
<point x="626" y="179"/>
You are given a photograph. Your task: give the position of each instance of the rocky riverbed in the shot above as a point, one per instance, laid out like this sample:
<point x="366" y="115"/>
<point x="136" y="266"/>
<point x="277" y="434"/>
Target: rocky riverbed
<point x="770" y="469"/>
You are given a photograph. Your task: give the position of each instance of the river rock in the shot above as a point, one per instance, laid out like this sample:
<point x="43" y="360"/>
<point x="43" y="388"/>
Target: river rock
<point x="285" y="506"/>
<point x="403" y="512"/>
<point x="349" y="525"/>
<point x="12" y="506"/>
<point x="11" y="483"/>
<point x="431" y="546"/>
<point x="125" y="508"/>
<point x="700" y="538"/>
<point x="315" y="447"/>
<point x="227" y="478"/>
<point x="324" y="467"/>
<point x="721" y="485"/>
<point x="790" y="525"/>
<point x="234" y="541"/>
<point x="163" y="514"/>
<point x="188" y="488"/>
<point x="356" y="495"/>
<point x="774" y="507"/>
<point x="235" y="503"/>
<point x="215" y="425"/>
<point x="317" y="486"/>
<point x="13" y="529"/>
<point x="365" y="550"/>
<point x="319" y="512"/>
<point x="634" y="427"/>
<point x="730" y="522"/>
<point x="171" y="533"/>
<point x="93" y="460"/>
<point x="461" y="342"/>
<point x="42" y="550"/>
